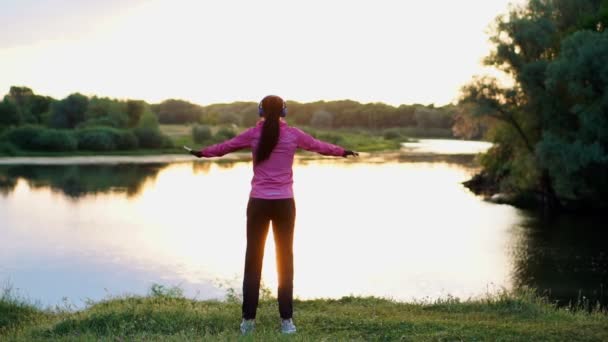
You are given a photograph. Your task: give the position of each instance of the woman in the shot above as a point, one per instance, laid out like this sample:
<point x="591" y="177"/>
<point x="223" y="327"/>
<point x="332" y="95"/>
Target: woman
<point x="273" y="144"/>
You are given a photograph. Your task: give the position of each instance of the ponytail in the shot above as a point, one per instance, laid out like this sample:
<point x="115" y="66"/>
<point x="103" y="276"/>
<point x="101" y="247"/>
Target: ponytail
<point x="272" y="106"/>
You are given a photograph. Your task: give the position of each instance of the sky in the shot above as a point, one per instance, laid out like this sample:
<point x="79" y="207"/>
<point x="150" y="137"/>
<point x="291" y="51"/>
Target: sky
<point x="391" y="51"/>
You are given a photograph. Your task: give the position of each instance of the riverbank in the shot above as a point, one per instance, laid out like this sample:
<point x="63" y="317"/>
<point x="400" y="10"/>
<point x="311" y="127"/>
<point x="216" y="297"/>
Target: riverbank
<point x="166" y="315"/>
<point x="361" y="140"/>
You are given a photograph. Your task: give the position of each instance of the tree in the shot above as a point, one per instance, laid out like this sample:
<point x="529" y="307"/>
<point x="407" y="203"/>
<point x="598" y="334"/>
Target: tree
<point x="322" y="119"/>
<point x="103" y="111"/>
<point x="574" y="146"/>
<point x="31" y="107"/>
<point x="9" y="114"/>
<point x="69" y="112"/>
<point x="135" y="110"/>
<point x="528" y="43"/>
<point x="177" y="111"/>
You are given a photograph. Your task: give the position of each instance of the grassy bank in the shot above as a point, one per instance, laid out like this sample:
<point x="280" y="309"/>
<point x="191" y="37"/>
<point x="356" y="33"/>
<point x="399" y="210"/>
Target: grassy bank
<point x="179" y="135"/>
<point x="162" y="316"/>
<point x="363" y="140"/>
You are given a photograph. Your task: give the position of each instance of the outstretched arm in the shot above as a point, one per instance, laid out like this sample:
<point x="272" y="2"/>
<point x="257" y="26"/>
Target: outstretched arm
<point x="241" y="141"/>
<point x="309" y="143"/>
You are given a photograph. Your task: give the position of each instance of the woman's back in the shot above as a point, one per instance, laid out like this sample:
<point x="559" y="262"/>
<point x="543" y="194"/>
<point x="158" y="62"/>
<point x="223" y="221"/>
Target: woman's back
<point x="273" y="177"/>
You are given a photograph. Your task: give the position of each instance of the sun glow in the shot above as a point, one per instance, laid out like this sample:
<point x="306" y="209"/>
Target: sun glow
<point x="390" y="51"/>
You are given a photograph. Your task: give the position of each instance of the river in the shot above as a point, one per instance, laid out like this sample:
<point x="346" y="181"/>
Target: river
<point x="397" y="225"/>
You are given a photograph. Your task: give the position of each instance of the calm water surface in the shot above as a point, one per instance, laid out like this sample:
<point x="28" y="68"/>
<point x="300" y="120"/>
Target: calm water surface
<point x="389" y="225"/>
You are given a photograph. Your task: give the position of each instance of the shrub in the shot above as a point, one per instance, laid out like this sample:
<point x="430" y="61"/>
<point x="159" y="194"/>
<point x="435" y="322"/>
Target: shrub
<point x="225" y="133"/>
<point x="7" y="148"/>
<point x="333" y="138"/>
<point x="149" y="137"/>
<point x="126" y="140"/>
<point x="97" y="139"/>
<point x="106" y="139"/>
<point x="24" y="137"/>
<point x="201" y="133"/>
<point x="392" y="134"/>
<point x="167" y="142"/>
<point x="55" y="140"/>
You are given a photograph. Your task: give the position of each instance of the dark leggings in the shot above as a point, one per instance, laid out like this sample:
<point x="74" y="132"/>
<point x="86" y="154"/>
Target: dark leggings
<point x="260" y="212"/>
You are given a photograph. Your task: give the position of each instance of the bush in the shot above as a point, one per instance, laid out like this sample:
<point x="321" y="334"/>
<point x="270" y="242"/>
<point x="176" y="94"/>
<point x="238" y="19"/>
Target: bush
<point x="167" y="141"/>
<point x="393" y="134"/>
<point x="7" y="148"/>
<point x="150" y="137"/>
<point x="225" y="133"/>
<point x="97" y="139"/>
<point x="201" y="133"/>
<point x="55" y="140"/>
<point x="106" y="139"/>
<point x="126" y="140"/>
<point x="24" y="137"/>
<point x="333" y="138"/>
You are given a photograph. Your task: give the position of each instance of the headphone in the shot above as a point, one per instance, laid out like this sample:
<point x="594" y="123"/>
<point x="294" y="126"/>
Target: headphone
<point x="261" y="109"/>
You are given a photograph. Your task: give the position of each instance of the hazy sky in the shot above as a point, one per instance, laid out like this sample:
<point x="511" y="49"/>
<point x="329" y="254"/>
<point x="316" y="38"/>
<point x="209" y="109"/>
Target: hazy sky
<point x="408" y="51"/>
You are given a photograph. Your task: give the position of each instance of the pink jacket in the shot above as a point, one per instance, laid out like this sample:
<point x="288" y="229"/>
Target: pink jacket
<point x="273" y="178"/>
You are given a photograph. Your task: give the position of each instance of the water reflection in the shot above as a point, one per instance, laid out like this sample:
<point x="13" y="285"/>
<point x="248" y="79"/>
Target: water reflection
<point x="446" y="147"/>
<point x="403" y="230"/>
<point x="393" y="225"/>
<point x="76" y="181"/>
<point x="565" y="257"/>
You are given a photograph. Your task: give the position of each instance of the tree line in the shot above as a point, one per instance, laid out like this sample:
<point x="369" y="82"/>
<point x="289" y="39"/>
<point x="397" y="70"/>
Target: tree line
<point x="320" y="114"/>
<point x="551" y="136"/>
<point x="29" y="121"/>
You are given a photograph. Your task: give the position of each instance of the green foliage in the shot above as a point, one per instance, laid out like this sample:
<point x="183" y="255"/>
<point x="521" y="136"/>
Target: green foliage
<point x="177" y="111"/>
<point x="162" y="291"/>
<point x="24" y="137"/>
<point x="8" y="149"/>
<point x="96" y="139"/>
<point x="9" y="113"/>
<point x="574" y="147"/>
<point x="69" y="112"/>
<point x="149" y="137"/>
<point x="228" y="119"/>
<point x="15" y="311"/>
<point x="430" y="117"/>
<point x="55" y="140"/>
<point x="201" y="133"/>
<point x="322" y="119"/>
<point x="148" y="120"/>
<point x="555" y="116"/>
<point x="394" y="134"/>
<point x="225" y="133"/>
<point x="126" y="140"/>
<point x="106" y="139"/>
<point x="31" y="108"/>
<point x="135" y="110"/>
<point x="358" y="140"/>
<point x="321" y="114"/>
<point x="105" y="112"/>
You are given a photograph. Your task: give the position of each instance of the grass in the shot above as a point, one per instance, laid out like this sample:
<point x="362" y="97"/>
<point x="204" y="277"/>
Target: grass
<point x="355" y="139"/>
<point x="165" y="315"/>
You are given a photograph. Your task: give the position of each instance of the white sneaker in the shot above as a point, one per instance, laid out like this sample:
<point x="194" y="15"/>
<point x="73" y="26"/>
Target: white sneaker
<point x="247" y="326"/>
<point x="287" y="326"/>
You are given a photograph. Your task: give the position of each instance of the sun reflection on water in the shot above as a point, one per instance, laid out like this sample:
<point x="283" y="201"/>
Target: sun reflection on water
<point x="401" y="230"/>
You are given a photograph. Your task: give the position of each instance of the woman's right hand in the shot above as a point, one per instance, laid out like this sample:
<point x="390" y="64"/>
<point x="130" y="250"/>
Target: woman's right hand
<point x="197" y="154"/>
<point x="350" y="153"/>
